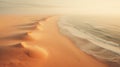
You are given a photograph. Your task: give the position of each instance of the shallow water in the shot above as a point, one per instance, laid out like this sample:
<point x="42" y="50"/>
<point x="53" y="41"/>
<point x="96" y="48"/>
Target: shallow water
<point x="102" y="32"/>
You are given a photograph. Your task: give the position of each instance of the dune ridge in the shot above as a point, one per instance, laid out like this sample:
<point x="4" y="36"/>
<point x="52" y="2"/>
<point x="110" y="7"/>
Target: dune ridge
<point x="51" y="49"/>
<point x="19" y="45"/>
<point x="16" y="55"/>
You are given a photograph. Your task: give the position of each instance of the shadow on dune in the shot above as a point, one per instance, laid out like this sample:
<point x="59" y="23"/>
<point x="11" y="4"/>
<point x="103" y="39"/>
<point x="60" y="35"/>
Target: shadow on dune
<point x="31" y="26"/>
<point x="28" y="27"/>
<point x="35" y="22"/>
<point x="30" y="51"/>
<point x="20" y="36"/>
<point x="28" y="24"/>
<point x="22" y="55"/>
<point x="19" y="45"/>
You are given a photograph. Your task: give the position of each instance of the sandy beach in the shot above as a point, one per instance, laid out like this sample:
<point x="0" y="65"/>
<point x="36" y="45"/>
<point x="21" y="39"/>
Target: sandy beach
<point x="35" y="41"/>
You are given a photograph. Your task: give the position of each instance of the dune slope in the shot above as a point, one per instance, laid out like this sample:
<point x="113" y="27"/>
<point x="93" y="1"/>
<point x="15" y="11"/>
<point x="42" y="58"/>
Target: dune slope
<point x="49" y="49"/>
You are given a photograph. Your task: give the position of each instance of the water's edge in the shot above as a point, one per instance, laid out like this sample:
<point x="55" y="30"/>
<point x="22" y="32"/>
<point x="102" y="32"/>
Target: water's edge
<point x="89" y="47"/>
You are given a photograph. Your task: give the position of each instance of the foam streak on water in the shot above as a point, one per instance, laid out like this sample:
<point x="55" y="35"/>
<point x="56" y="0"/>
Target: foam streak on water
<point x="106" y="45"/>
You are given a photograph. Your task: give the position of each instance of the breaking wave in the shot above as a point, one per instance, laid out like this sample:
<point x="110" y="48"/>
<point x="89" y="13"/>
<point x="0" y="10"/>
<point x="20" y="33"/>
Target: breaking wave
<point x="102" y="43"/>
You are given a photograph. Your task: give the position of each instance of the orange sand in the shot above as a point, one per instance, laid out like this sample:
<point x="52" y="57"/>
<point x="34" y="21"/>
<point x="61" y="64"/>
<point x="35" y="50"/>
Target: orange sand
<point x="47" y="48"/>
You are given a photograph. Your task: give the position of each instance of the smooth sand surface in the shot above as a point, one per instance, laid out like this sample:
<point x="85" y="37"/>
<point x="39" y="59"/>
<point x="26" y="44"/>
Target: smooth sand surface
<point x="22" y="44"/>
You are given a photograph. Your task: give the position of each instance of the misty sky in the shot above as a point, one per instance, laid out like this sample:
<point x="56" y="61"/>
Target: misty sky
<point x="61" y="6"/>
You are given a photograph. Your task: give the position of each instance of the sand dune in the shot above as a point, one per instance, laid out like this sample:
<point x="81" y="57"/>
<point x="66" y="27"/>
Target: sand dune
<point x="19" y="36"/>
<point x="30" y="26"/>
<point x="35" y="27"/>
<point x="25" y="35"/>
<point x="19" y="45"/>
<point x="52" y="49"/>
<point x="31" y="50"/>
<point x="22" y="55"/>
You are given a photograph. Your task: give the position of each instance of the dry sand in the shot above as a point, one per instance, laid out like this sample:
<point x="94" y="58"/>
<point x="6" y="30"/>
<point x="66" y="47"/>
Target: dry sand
<point x="27" y="43"/>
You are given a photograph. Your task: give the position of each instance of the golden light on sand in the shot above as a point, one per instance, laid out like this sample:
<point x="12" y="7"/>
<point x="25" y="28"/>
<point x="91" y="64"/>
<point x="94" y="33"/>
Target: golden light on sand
<point x="35" y="51"/>
<point x="38" y="52"/>
<point x="51" y="49"/>
<point x="19" y="45"/>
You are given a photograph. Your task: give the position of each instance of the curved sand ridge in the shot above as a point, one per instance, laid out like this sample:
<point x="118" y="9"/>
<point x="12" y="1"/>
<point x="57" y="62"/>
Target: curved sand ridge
<point x="62" y="52"/>
<point x="19" y="45"/>
<point x="37" y="27"/>
<point x="32" y="51"/>
<point x="26" y="36"/>
<point x="31" y="26"/>
<point x="22" y="55"/>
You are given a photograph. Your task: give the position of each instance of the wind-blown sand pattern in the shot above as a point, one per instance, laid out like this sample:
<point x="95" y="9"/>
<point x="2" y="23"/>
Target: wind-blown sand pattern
<point x="23" y="44"/>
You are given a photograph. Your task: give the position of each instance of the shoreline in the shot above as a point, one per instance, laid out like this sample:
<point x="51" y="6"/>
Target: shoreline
<point x="77" y="39"/>
<point x="62" y="52"/>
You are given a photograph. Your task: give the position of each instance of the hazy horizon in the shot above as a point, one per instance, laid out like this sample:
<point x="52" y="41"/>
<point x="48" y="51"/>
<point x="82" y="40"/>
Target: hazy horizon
<point x="104" y="7"/>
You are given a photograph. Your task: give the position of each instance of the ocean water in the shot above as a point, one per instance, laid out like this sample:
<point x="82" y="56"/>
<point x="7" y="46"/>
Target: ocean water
<point x="100" y="35"/>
